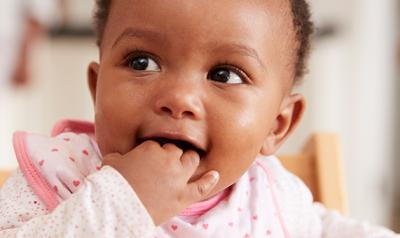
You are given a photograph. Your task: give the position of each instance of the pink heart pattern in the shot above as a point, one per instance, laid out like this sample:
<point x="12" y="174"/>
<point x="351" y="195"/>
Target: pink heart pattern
<point x="76" y="183"/>
<point x="85" y="152"/>
<point x="174" y="227"/>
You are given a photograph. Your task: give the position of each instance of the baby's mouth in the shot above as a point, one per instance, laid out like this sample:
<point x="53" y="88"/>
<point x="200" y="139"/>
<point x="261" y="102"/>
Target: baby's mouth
<point x="182" y="144"/>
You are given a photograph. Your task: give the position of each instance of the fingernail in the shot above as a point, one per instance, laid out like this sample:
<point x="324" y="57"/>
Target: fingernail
<point x="215" y="176"/>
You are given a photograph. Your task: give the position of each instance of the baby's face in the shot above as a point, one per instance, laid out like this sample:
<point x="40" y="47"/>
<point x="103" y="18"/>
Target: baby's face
<point x="214" y="74"/>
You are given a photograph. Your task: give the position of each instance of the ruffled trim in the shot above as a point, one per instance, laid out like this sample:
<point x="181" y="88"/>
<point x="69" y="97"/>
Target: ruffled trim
<point x="76" y="126"/>
<point x="202" y="207"/>
<point x="274" y="199"/>
<point x="36" y="181"/>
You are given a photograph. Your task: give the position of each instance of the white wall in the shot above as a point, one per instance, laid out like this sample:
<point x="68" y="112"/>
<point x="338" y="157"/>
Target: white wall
<point x="59" y="90"/>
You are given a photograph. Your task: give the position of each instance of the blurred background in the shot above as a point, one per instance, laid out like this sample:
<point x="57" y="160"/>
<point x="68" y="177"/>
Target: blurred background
<point x="352" y="88"/>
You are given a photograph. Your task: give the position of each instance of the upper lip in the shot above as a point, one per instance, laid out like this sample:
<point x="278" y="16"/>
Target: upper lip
<point x="195" y="141"/>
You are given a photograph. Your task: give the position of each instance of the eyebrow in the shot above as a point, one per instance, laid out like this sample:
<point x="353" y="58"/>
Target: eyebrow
<point x="140" y="33"/>
<point x="159" y="37"/>
<point x="242" y="50"/>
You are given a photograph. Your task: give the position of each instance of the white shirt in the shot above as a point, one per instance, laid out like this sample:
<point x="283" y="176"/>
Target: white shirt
<point x="267" y="201"/>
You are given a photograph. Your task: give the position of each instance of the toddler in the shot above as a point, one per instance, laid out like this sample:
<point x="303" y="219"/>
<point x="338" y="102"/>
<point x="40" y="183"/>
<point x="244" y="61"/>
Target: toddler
<point x="192" y="100"/>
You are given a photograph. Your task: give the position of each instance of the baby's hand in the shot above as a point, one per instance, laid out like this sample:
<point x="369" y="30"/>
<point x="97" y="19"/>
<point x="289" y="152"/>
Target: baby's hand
<point x="160" y="177"/>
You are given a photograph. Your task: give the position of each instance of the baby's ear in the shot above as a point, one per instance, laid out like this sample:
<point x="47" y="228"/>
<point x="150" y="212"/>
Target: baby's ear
<point x="291" y="112"/>
<point x="92" y="76"/>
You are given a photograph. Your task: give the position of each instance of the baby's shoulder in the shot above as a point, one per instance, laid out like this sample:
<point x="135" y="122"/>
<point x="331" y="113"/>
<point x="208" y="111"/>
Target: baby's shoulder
<point x="35" y="146"/>
<point x="67" y="137"/>
<point x="294" y="199"/>
<point x="54" y="166"/>
<point x="285" y="183"/>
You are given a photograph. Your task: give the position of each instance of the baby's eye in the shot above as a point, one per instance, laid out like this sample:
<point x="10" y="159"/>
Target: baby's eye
<point x="225" y="75"/>
<point x="143" y="63"/>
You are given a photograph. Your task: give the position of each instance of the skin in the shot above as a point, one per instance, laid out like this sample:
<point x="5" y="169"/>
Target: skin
<point x="178" y="94"/>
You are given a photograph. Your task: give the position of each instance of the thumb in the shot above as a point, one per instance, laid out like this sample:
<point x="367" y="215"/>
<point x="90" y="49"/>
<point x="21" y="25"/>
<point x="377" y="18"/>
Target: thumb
<point x="200" y="188"/>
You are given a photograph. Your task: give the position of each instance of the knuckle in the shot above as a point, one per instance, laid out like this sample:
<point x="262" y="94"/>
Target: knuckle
<point x="108" y="162"/>
<point x="172" y="147"/>
<point x="109" y="159"/>
<point x="150" y="144"/>
<point x="169" y="147"/>
<point x="193" y="158"/>
<point x="114" y="155"/>
<point x="173" y="150"/>
<point x="189" y="164"/>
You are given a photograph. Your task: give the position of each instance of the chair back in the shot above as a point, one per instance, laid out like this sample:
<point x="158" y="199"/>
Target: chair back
<point x="319" y="165"/>
<point x="4" y="174"/>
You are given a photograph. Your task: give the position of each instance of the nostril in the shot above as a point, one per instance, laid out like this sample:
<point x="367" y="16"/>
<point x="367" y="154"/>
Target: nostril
<point x="177" y="113"/>
<point x="166" y="109"/>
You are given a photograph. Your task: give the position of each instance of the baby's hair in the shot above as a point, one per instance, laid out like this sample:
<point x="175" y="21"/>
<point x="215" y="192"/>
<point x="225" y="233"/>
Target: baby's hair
<point x="303" y="27"/>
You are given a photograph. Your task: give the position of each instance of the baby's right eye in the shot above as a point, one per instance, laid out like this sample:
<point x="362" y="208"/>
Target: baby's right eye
<point x="143" y="63"/>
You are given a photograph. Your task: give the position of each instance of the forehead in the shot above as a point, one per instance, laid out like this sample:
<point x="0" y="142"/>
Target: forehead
<point x="208" y="18"/>
<point x="263" y="26"/>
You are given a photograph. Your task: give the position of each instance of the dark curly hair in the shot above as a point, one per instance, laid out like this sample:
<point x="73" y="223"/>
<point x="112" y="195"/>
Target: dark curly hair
<point x="303" y="27"/>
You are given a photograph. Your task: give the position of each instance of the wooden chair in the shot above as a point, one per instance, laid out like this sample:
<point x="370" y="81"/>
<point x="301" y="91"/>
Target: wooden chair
<point x="319" y="165"/>
<point x="4" y="174"/>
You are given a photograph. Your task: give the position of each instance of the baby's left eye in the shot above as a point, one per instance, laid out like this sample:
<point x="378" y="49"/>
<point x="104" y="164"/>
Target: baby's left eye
<point x="225" y="75"/>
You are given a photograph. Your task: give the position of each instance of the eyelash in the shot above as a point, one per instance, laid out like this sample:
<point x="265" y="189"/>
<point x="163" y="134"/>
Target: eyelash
<point x="131" y="54"/>
<point x="225" y="64"/>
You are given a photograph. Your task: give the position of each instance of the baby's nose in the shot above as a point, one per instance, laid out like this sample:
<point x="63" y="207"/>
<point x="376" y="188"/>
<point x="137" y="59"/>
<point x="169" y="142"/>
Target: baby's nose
<point x="180" y="99"/>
